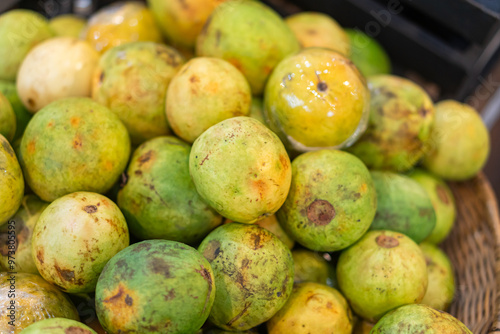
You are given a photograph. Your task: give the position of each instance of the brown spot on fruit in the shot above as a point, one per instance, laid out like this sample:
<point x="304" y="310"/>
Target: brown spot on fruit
<point x="311" y="32"/>
<point x="260" y="187"/>
<point x="322" y="86"/>
<point x="128" y="300"/>
<point x="39" y="255"/>
<point x="443" y="196"/>
<point x="204" y="159"/>
<point x="239" y="315"/>
<point x="256" y="241"/>
<point x="194" y="79"/>
<point x="117" y="305"/>
<point x="76" y="330"/>
<point x="146" y="157"/>
<point x="90" y="209"/>
<point x="31" y="102"/>
<point x="31" y="147"/>
<point x="170" y="295"/>
<point x="206" y="276"/>
<point x="160" y="266"/>
<point x="212" y="250"/>
<point x="386" y="241"/>
<point x="75" y="121"/>
<point x="65" y="274"/>
<point x="77" y="142"/>
<point x="329" y="305"/>
<point x="320" y="212"/>
<point x="284" y="162"/>
<point x="50" y="124"/>
<point x="101" y="77"/>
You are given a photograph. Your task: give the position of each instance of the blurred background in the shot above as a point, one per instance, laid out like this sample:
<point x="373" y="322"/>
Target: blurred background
<point x="450" y="47"/>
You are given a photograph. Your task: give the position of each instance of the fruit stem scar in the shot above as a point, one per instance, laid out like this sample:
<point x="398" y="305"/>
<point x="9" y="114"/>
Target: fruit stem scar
<point x="386" y="241"/>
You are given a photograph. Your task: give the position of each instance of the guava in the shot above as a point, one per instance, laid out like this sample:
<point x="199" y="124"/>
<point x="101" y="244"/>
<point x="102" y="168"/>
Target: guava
<point x="367" y="54"/>
<point x="7" y="119"/>
<point x="310" y="267"/>
<point x="23" y="116"/>
<point x="58" y="326"/>
<point x="67" y="25"/>
<point x="11" y="181"/>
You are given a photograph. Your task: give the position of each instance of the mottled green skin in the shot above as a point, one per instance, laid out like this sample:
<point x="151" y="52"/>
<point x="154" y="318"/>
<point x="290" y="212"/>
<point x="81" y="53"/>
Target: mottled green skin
<point x="23" y="116"/>
<point x="132" y="80"/>
<point x="206" y="91"/>
<point x="313" y="308"/>
<point x="419" y="319"/>
<point x="67" y="25"/>
<point x="403" y="206"/>
<point x="441" y="287"/>
<point x="367" y="54"/>
<point x="11" y="181"/>
<point x="399" y="128"/>
<point x="74" y="238"/>
<point x="7" y="119"/>
<point x="241" y="169"/>
<point x="58" y="326"/>
<point x="331" y="202"/>
<point x="460" y="143"/>
<point x="155" y="286"/>
<point x="20" y="30"/>
<point x="231" y="33"/>
<point x="35" y="300"/>
<point x="382" y="271"/>
<point x="25" y="220"/>
<point x="442" y="200"/>
<point x="159" y="199"/>
<point x="253" y="274"/>
<point x="73" y="144"/>
<point x="310" y="267"/>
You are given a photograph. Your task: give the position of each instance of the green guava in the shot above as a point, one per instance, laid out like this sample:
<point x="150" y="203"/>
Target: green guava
<point x="23" y="116"/>
<point x="7" y="119"/>
<point x="367" y="54"/>
<point x="11" y="181"/>
<point x="58" y="326"/>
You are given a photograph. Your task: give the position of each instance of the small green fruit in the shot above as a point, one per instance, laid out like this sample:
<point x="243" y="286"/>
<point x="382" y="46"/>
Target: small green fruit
<point x="23" y="116"/>
<point x="367" y="54"/>
<point x="7" y="119"/>
<point x="11" y="181"/>
<point x="310" y="267"/>
<point x="58" y="326"/>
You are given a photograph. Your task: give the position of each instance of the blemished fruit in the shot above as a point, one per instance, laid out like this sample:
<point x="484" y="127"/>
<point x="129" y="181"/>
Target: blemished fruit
<point x="314" y="29"/>
<point x="35" y="300"/>
<point x="331" y="202"/>
<point x="23" y="116"/>
<point x="57" y="68"/>
<point x="313" y="308"/>
<point x="403" y="206"/>
<point x="206" y="91"/>
<point x="121" y="23"/>
<point x="155" y="286"/>
<point x="399" y="128"/>
<point x="11" y="181"/>
<point x="316" y="99"/>
<point x="419" y="319"/>
<point x="367" y="54"/>
<point x="380" y="272"/>
<point x="460" y="143"/>
<point x="74" y="238"/>
<point x="442" y="200"/>
<point x="231" y="34"/>
<point x="135" y="89"/>
<point x="310" y="266"/>
<point x="441" y="288"/>
<point x="73" y="144"/>
<point x="22" y="230"/>
<point x="67" y="25"/>
<point x="58" y="326"/>
<point x="7" y="119"/>
<point x="20" y="30"/>
<point x="253" y="273"/>
<point x="241" y="169"/>
<point x="159" y="199"/>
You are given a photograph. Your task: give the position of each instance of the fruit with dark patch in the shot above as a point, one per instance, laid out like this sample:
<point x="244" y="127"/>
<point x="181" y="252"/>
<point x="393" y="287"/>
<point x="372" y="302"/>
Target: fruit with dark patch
<point x="331" y="202"/>
<point x="311" y="267"/>
<point x="403" y="206"/>
<point x="7" y="118"/>
<point x="231" y="33"/>
<point x="155" y="286"/>
<point x="441" y="287"/>
<point x="74" y="238"/>
<point x="73" y="144"/>
<point x="316" y="99"/>
<point x="205" y="92"/>
<point x="11" y="181"/>
<point x="253" y="274"/>
<point x="159" y="199"/>
<point x="419" y="319"/>
<point x="58" y="326"/>
<point x="23" y="116"/>
<point x="442" y="200"/>
<point x="241" y="169"/>
<point x="67" y="25"/>
<point x="35" y="300"/>
<point x="132" y="80"/>
<point x="399" y="128"/>
<point x="380" y="272"/>
<point x="313" y="308"/>
<point x="367" y="54"/>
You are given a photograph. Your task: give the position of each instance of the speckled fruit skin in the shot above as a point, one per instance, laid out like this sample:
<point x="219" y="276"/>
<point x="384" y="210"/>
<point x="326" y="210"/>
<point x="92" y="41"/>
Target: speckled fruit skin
<point x="419" y="319"/>
<point x="23" y="116"/>
<point x="403" y="206"/>
<point x="35" y="300"/>
<point x="316" y="99"/>
<point x="73" y="144"/>
<point x="20" y="30"/>
<point x="241" y="169"/>
<point x="442" y="200"/>
<point x="155" y="286"/>
<point x="380" y="272"/>
<point x="7" y="119"/>
<point x="253" y="273"/>
<point x="206" y="91"/>
<point x="331" y="202"/>
<point x="310" y="266"/>
<point x="314" y="29"/>
<point x="159" y="199"/>
<point x="11" y="181"/>
<point x="135" y="89"/>
<point x="313" y="308"/>
<point x="441" y="287"/>
<point x="67" y="25"/>
<point x="74" y="238"/>
<point x="58" y="326"/>
<point x="460" y="143"/>
<point x="24" y="223"/>
<point x="231" y="34"/>
<point x="367" y="54"/>
<point x="399" y="128"/>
